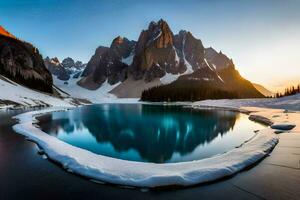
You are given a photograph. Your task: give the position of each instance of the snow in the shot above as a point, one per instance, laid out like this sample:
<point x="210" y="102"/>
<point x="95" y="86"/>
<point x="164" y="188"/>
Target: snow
<point x="189" y="68"/>
<point x="131" y="173"/>
<point x="288" y="103"/>
<point x="169" y="78"/>
<point x="159" y="32"/>
<point x="176" y="55"/>
<point x="24" y="96"/>
<point x="158" y="35"/>
<point x="128" y="60"/>
<point x="95" y="96"/>
<point x="213" y="69"/>
<point x="208" y="65"/>
<point x="220" y="78"/>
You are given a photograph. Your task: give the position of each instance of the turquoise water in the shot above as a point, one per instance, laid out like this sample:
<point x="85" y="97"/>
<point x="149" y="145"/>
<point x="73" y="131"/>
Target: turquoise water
<point x="150" y="133"/>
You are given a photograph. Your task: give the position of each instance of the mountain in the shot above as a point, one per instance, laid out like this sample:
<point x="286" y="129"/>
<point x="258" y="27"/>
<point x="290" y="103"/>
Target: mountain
<point x="263" y="90"/>
<point x="70" y="65"/>
<point x="21" y="62"/>
<point x="56" y="68"/>
<point x="108" y="64"/>
<point x="65" y="69"/>
<point x="159" y="58"/>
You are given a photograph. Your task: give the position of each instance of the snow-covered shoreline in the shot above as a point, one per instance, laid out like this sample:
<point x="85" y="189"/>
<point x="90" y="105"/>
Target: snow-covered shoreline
<point x="122" y="172"/>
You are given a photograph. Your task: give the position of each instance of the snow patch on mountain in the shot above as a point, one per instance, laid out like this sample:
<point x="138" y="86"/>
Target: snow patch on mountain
<point x="169" y="78"/>
<point x="128" y="60"/>
<point x="208" y="65"/>
<point x="176" y="55"/>
<point x="95" y="96"/>
<point x="189" y="68"/>
<point x="158" y="35"/>
<point x="220" y="78"/>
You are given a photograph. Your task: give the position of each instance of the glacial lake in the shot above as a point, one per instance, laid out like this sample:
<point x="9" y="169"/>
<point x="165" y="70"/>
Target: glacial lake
<point x="150" y="133"/>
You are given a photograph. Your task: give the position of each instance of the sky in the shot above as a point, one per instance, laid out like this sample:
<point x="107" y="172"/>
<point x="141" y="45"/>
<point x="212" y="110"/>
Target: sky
<point x="261" y="36"/>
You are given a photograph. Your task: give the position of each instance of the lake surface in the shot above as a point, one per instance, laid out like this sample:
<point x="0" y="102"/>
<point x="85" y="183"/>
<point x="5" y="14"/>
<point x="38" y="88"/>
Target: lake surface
<point x="150" y="133"/>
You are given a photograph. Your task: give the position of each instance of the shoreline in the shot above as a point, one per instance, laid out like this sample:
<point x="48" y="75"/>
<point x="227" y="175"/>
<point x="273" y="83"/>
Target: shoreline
<point x="266" y="138"/>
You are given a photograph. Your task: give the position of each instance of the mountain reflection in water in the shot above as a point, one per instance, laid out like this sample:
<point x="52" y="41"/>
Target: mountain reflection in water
<point x="155" y="133"/>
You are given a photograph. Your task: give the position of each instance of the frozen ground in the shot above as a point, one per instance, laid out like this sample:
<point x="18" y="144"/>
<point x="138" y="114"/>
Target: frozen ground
<point x="288" y="103"/>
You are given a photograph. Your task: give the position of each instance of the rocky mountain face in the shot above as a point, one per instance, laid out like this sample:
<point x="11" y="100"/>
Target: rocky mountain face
<point x="155" y="53"/>
<point x="108" y="64"/>
<point x="160" y="57"/>
<point x="217" y="60"/>
<point x="21" y="62"/>
<point x="65" y="69"/>
<point x="56" y="68"/>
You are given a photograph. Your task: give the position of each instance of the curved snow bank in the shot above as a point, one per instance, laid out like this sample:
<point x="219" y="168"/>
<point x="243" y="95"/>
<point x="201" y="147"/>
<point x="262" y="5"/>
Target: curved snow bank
<point x="141" y="174"/>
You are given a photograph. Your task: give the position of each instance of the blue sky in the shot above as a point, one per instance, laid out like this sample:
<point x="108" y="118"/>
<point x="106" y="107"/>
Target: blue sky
<point x="262" y="37"/>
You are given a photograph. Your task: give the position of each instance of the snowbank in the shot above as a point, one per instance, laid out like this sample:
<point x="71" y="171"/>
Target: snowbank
<point x="116" y="171"/>
<point x="288" y="103"/>
<point x="11" y="91"/>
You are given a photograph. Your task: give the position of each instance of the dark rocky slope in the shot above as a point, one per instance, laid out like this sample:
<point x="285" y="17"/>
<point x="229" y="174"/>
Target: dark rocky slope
<point x="21" y="62"/>
<point x="106" y="64"/>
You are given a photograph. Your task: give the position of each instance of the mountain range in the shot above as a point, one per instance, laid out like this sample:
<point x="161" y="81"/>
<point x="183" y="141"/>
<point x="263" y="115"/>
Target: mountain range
<point x="65" y="69"/>
<point x="158" y="58"/>
<point x="159" y="66"/>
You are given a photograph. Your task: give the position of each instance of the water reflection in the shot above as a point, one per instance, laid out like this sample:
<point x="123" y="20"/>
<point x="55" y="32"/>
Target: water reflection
<point x="154" y="132"/>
